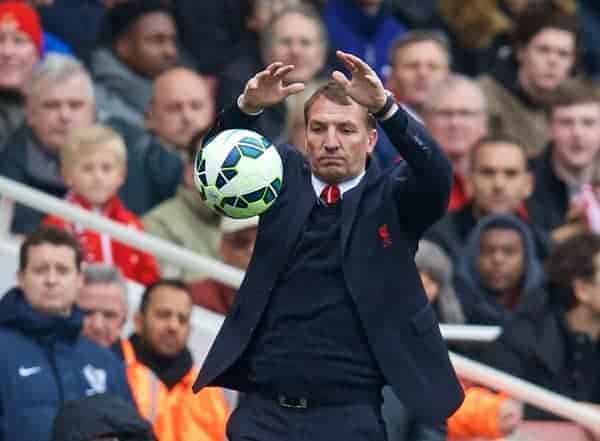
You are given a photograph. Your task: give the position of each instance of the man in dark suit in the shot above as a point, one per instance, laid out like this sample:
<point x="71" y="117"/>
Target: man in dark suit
<point x="332" y="307"/>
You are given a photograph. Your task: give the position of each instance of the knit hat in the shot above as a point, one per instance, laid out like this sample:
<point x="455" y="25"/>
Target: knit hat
<point x="26" y="18"/>
<point x="120" y="18"/>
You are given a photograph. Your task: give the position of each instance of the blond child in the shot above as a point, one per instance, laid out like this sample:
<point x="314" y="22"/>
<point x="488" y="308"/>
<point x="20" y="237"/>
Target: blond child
<point x="93" y="165"/>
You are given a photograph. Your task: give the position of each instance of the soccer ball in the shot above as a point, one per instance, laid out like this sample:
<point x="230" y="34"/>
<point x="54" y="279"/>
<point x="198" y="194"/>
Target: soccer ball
<point x="239" y="173"/>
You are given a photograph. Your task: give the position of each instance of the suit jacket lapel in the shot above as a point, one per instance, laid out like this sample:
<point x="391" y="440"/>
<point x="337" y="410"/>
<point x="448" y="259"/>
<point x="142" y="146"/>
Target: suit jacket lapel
<point x="351" y="201"/>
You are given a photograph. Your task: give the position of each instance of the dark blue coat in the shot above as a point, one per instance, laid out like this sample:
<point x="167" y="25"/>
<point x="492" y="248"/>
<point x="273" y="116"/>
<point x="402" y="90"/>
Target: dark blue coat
<point x="44" y="362"/>
<point x="383" y="219"/>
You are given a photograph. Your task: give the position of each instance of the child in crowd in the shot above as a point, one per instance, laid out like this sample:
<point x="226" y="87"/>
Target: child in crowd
<point x="93" y="165"/>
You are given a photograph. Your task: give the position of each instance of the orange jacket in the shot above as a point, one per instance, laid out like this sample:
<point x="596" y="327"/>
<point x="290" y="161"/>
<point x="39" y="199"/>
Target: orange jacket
<point x="177" y="414"/>
<point x="477" y="416"/>
<point x="99" y="247"/>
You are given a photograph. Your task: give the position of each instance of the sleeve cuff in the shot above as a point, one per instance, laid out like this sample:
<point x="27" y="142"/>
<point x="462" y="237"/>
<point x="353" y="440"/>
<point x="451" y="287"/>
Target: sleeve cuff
<point x="239" y="104"/>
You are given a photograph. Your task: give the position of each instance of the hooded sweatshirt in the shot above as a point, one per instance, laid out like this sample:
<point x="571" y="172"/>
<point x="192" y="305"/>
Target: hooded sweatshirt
<point x="44" y="362"/>
<point x="479" y="302"/>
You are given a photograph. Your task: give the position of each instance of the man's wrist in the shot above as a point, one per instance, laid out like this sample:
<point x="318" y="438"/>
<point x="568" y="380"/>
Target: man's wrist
<point x="389" y="108"/>
<point x="244" y="108"/>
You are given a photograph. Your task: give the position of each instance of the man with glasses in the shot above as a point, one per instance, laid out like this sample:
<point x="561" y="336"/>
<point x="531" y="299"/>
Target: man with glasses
<point x="456" y="115"/>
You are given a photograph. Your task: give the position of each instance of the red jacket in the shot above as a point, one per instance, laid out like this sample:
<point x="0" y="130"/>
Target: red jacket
<point x="99" y="247"/>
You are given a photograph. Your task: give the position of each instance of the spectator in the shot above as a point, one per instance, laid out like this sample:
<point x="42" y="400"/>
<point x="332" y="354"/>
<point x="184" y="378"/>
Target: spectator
<point x="484" y="415"/>
<point x="186" y="220"/>
<point x="103" y="300"/>
<point x="456" y="114"/>
<point x="100" y="418"/>
<point x="62" y="98"/>
<point x="557" y="348"/>
<point x="364" y="28"/>
<point x="143" y="44"/>
<point x="93" y="163"/>
<point x="59" y="97"/>
<point x="237" y="244"/>
<point x="546" y="43"/>
<point x="501" y="184"/>
<point x="49" y="361"/>
<point x="419" y="61"/>
<point x="161" y="371"/>
<point x="566" y="164"/>
<point x="20" y="51"/>
<point x="437" y="273"/>
<point x="499" y="273"/>
<point x="181" y="106"/>
<point x="215" y="33"/>
<point x="294" y="36"/>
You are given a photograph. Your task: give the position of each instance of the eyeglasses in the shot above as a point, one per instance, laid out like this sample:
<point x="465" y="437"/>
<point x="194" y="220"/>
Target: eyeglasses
<point x="458" y="113"/>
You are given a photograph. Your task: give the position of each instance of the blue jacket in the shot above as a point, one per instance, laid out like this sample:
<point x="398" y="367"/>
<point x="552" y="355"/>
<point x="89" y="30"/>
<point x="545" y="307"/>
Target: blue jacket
<point x="383" y="219"/>
<point x="368" y="37"/>
<point x="44" y="362"/>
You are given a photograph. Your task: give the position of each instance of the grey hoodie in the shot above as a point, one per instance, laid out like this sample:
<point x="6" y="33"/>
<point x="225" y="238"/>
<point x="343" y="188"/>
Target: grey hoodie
<point x="479" y="303"/>
<point x="120" y="92"/>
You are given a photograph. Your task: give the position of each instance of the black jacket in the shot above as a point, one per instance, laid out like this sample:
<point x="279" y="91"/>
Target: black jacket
<point x="550" y="199"/>
<point x="536" y="346"/>
<point x="383" y="219"/>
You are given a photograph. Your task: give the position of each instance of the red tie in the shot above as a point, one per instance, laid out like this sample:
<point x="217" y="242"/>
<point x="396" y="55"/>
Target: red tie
<point x="331" y="194"/>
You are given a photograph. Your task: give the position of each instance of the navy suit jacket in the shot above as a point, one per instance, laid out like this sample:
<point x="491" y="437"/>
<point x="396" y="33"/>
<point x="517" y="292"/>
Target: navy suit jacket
<point x="383" y="219"/>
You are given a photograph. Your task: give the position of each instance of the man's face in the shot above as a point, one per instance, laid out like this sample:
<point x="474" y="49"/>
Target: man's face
<point x="51" y="279"/>
<point x="501" y="259"/>
<point x="59" y="108"/>
<point x="18" y="56"/>
<point x="338" y="140"/>
<point x="237" y="247"/>
<point x="499" y="178"/>
<point x="546" y="60"/>
<point x="150" y="47"/>
<point x="575" y="131"/>
<point x="297" y="40"/>
<point x="417" y="68"/>
<point x="457" y="121"/>
<point x="165" y="325"/>
<point x="96" y="176"/>
<point x="105" y="311"/>
<point x="182" y="105"/>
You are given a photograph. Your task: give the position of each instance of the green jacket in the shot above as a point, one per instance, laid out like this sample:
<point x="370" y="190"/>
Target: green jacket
<point x="186" y="221"/>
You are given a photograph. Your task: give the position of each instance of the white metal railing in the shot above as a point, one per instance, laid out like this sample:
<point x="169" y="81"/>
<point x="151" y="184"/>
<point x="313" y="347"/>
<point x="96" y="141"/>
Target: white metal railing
<point x="166" y="250"/>
<point x="466" y="368"/>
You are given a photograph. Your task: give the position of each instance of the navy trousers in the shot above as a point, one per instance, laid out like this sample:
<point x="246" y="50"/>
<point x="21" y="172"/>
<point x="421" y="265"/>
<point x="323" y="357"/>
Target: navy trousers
<point x="258" y="418"/>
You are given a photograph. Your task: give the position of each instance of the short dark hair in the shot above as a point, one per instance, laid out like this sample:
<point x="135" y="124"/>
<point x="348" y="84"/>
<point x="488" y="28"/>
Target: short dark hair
<point x="169" y="282"/>
<point x="53" y="236"/>
<point x="499" y="138"/>
<point x="571" y="260"/>
<point x="537" y="17"/>
<point x="420" y="36"/>
<point x="571" y="92"/>
<point x="335" y="93"/>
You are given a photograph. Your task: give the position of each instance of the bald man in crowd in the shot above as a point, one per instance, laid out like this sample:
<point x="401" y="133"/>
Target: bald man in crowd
<point x="182" y="105"/>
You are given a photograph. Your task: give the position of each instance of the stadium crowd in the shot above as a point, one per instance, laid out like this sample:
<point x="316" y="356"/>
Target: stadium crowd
<point x="103" y="103"/>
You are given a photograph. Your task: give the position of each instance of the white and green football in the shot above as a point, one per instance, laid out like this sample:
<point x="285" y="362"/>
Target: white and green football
<point x="238" y="173"/>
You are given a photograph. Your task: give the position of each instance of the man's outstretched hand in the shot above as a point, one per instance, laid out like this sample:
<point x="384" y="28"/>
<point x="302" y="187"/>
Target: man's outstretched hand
<point x="364" y="86"/>
<point x="267" y="88"/>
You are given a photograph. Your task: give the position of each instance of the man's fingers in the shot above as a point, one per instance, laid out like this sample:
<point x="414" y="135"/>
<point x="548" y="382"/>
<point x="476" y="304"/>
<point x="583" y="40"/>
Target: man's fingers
<point x="271" y="68"/>
<point x="283" y="70"/>
<point x="341" y="79"/>
<point x="293" y="88"/>
<point x="353" y="62"/>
